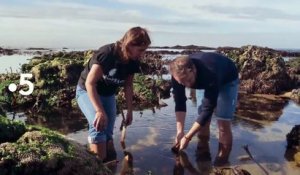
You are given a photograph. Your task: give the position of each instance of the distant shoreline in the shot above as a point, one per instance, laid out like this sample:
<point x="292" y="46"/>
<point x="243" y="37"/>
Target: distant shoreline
<point x="42" y="50"/>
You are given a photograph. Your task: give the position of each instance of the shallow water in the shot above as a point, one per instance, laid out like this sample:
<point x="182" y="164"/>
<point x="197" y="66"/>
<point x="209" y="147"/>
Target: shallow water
<point x="151" y="135"/>
<point x="13" y="62"/>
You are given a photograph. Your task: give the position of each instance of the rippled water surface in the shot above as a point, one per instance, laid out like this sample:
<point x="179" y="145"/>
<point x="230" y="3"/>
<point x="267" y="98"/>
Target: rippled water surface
<point x="151" y="135"/>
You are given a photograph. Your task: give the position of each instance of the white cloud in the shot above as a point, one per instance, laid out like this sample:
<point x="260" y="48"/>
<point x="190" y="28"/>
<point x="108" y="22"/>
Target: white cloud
<point x="147" y="141"/>
<point x="69" y="11"/>
<point x="79" y="22"/>
<point x="226" y="9"/>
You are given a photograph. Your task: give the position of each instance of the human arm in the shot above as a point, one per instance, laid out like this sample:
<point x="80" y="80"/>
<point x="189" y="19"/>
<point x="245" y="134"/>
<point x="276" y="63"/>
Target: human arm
<point x="205" y="113"/>
<point x="180" y="109"/>
<point x="180" y="120"/>
<point x="128" y="89"/>
<point x="189" y="135"/>
<point x="93" y="77"/>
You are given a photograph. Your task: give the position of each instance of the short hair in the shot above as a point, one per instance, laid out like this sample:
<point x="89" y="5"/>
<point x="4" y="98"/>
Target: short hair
<point x="136" y="36"/>
<point x="181" y="65"/>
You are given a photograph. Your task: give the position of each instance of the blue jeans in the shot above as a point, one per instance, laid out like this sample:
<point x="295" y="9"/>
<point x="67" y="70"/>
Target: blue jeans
<point x="109" y="105"/>
<point x="227" y="100"/>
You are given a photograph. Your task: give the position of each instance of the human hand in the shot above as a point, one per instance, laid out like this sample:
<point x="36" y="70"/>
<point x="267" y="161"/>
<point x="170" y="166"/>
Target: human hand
<point x="178" y="138"/>
<point x="128" y="119"/>
<point x="100" y="121"/>
<point x="184" y="143"/>
<point x="175" y="147"/>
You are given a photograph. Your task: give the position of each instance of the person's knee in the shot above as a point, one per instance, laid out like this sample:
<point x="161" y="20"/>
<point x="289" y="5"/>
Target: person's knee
<point x="96" y="137"/>
<point x="224" y="126"/>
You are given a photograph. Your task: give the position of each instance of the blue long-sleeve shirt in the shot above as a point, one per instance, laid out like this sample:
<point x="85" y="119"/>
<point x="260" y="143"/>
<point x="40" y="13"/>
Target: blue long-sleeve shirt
<point x="213" y="71"/>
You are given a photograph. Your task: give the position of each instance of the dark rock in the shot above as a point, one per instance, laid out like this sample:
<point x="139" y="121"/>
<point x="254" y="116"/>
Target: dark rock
<point x="42" y="151"/>
<point x="293" y="138"/>
<point x="262" y="70"/>
<point x="293" y="145"/>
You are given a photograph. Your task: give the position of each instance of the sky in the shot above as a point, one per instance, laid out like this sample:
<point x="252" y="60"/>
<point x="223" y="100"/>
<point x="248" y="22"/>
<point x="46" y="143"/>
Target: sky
<point x="89" y="24"/>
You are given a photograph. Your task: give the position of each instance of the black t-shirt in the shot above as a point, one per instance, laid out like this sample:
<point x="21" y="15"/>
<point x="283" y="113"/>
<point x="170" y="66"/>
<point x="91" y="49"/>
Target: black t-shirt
<point x="114" y="70"/>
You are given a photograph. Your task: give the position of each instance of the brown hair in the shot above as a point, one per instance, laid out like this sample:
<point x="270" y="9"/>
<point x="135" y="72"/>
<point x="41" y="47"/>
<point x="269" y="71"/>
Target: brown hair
<point x="136" y="36"/>
<point x="181" y="65"/>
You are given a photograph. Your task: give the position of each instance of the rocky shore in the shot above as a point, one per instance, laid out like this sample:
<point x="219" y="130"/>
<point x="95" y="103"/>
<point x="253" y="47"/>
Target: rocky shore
<point x="261" y="70"/>
<point x="28" y="150"/>
<point x="265" y="77"/>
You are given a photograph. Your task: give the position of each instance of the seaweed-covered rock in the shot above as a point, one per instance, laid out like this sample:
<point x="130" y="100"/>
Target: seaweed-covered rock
<point x="42" y="151"/>
<point x="147" y="92"/>
<point x="293" y="68"/>
<point x="152" y="64"/>
<point x="55" y="77"/>
<point x="262" y="70"/>
<point x="10" y="131"/>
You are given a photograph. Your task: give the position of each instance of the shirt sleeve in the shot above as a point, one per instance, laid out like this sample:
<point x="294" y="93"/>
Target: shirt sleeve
<point x="209" y="102"/>
<point x="179" y="96"/>
<point x="134" y="67"/>
<point x="100" y="57"/>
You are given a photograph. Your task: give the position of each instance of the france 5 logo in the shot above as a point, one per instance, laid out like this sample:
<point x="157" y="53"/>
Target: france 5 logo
<point x="23" y="81"/>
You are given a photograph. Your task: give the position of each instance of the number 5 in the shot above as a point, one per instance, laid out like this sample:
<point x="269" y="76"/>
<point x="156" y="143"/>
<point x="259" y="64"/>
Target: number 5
<point x="23" y="81"/>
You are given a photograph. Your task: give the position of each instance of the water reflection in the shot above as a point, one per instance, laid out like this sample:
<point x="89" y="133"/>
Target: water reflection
<point x="127" y="164"/>
<point x="151" y="135"/>
<point x="183" y="163"/>
<point x="260" y="107"/>
<point x="254" y="125"/>
<point x="20" y="116"/>
<point x="158" y="130"/>
<point x="64" y="121"/>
